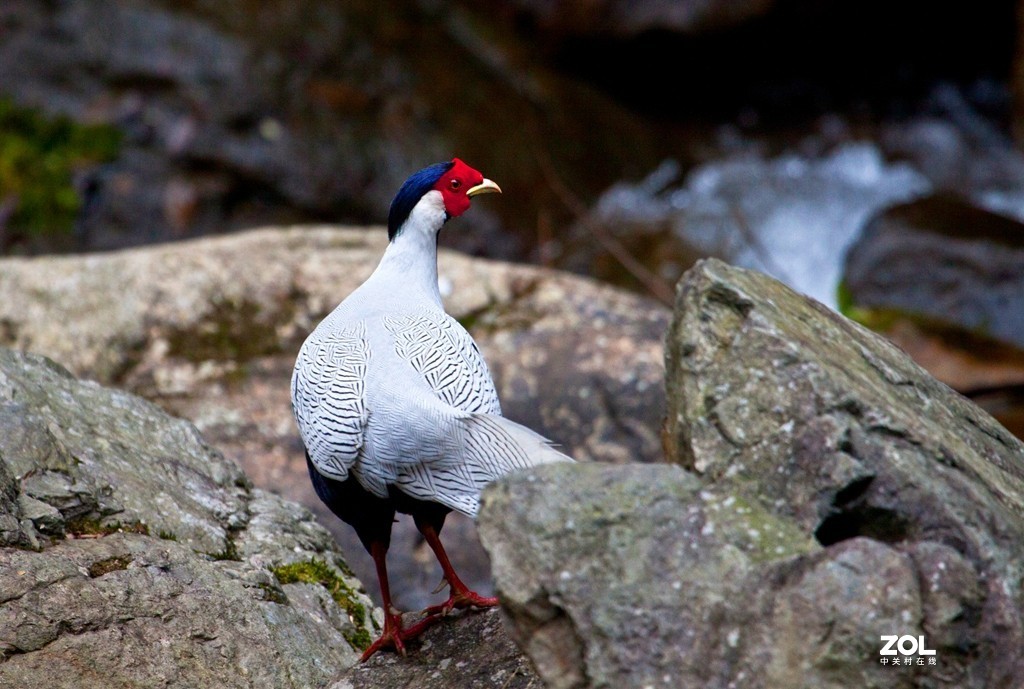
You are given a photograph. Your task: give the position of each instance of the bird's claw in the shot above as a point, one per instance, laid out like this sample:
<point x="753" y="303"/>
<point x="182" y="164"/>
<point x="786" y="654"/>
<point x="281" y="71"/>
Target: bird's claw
<point x="441" y="585"/>
<point x="459" y="600"/>
<point x="394" y="635"/>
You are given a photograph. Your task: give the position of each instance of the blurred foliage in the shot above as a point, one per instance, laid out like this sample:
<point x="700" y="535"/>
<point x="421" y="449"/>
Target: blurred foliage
<point x="38" y="158"/>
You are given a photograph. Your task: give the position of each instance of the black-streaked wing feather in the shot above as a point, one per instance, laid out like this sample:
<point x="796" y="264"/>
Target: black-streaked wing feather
<point x="329" y="399"/>
<point x="441" y="351"/>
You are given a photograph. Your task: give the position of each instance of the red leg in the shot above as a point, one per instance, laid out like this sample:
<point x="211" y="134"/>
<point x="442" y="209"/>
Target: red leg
<point x="461" y="596"/>
<point x="394" y="635"/>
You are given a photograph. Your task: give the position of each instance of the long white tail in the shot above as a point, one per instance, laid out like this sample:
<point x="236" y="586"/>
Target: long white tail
<point x="489" y="447"/>
<point x="508" y="445"/>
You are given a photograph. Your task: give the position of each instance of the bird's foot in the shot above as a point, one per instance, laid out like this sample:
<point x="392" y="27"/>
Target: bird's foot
<point x="461" y="598"/>
<point x="395" y="635"/>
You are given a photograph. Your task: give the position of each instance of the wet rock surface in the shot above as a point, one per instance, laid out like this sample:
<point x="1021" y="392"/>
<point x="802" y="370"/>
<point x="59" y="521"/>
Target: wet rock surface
<point x="829" y="492"/>
<point x="197" y="329"/>
<point x="135" y="555"/>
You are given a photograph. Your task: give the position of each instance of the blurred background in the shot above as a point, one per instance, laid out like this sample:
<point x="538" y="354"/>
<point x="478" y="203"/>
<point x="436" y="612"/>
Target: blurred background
<point x="866" y="153"/>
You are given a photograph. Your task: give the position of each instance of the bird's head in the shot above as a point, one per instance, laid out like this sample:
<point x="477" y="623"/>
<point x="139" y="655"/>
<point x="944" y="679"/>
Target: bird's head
<point x="438" y="192"/>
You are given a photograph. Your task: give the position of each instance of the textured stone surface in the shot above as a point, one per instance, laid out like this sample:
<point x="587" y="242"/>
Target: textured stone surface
<point x="137" y="611"/>
<point x="470" y="651"/>
<point x="830" y="492"/>
<point x="164" y="321"/>
<point x="836" y="429"/>
<point x="196" y="328"/>
<point x="96" y="453"/>
<point x="144" y="558"/>
<point x="113" y="317"/>
<point x="615" y="576"/>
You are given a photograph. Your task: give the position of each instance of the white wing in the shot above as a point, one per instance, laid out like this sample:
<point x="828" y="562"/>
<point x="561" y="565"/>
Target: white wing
<point x="441" y="350"/>
<point x="329" y="398"/>
<point x="440" y="454"/>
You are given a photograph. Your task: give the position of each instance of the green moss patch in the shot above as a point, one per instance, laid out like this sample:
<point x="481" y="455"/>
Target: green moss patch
<point x="316" y="571"/>
<point x="38" y="158"/>
<point x="111" y="564"/>
<point x="91" y="526"/>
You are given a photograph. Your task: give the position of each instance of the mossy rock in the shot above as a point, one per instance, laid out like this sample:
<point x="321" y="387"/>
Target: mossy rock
<point x="316" y="571"/>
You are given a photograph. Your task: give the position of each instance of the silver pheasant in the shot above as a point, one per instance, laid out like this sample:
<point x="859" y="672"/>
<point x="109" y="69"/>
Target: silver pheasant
<point x="395" y="404"/>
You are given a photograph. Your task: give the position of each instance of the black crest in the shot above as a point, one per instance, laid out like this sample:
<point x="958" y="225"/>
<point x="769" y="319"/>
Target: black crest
<point x="418" y="184"/>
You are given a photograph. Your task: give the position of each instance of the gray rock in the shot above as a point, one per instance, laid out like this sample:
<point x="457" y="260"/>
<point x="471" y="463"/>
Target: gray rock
<point x="189" y="88"/>
<point x="615" y="576"/>
<point x="11" y="529"/>
<point x="117" y="317"/>
<point x="44" y="517"/>
<point x="191" y="315"/>
<point x="143" y="558"/>
<point x="943" y="261"/>
<point x="830" y="492"/>
<point x="83" y="453"/>
<point x="578" y="361"/>
<point x="831" y="426"/>
<point x="136" y="611"/>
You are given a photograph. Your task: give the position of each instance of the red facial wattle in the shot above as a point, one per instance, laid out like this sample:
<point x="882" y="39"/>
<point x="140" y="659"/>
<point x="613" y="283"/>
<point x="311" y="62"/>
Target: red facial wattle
<point x="459" y="184"/>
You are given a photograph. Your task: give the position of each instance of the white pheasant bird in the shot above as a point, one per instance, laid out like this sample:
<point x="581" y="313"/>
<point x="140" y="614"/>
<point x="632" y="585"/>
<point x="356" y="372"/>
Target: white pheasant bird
<point x="394" y="402"/>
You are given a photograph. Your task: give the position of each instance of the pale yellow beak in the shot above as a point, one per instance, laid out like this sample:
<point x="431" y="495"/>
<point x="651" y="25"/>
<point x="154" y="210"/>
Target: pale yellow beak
<point x="485" y="187"/>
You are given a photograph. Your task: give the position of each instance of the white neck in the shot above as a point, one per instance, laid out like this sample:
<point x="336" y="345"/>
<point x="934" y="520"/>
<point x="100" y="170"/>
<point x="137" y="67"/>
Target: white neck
<point x="410" y="261"/>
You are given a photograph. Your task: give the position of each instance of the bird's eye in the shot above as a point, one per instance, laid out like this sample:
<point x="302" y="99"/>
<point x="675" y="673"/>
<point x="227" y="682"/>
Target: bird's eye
<point x="455" y="184"/>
